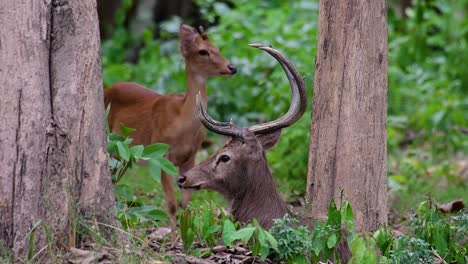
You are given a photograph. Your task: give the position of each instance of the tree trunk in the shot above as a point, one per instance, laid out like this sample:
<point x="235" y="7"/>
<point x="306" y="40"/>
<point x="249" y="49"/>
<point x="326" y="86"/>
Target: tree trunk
<point x="347" y="154"/>
<point x="53" y="156"/>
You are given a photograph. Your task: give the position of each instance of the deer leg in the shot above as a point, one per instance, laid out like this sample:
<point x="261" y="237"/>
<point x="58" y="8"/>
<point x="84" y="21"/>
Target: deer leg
<point x="186" y="194"/>
<point x="171" y="202"/>
<point x="186" y="197"/>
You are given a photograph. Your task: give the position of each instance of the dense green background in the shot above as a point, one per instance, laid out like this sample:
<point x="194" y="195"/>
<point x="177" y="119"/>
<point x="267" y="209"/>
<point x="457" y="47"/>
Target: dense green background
<point x="427" y="96"/>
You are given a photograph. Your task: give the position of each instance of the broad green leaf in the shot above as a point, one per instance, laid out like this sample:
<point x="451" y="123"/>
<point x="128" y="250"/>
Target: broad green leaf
<point x="123" y="151"/>
<point x="155" y="170"/>
<point x="166" y="165"/>
<point x="271" y="240"/>
<point x="116" y="137"/>
<point x="318" y="245"/>
<point x="299" y="259"/>
<point x="111" y="147"/>
<point x="157" y="214"/>
<point x="347" y="216"/>
<point x="149" y="212"/>
<point x="228" y="231"/>
<point x="383" y="238"/>
<point x="126" y="130"/>
<point x="213" y="229"/>
<point x="137" y="151"/>
<point x="334" y="216"/>
<point x="332" y="240"/>
<point x="264" y="251"/>
<point x="155" y="150"/>
<point x="243" y="234"/>
<point x="266" y="241"/>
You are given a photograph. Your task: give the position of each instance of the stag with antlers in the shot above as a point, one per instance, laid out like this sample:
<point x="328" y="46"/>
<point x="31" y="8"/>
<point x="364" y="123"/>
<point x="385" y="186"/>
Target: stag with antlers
<point x="239" y="171"/>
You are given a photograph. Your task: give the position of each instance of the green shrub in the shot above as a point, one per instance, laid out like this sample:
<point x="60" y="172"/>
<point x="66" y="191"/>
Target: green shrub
<point x="200" y="221"/>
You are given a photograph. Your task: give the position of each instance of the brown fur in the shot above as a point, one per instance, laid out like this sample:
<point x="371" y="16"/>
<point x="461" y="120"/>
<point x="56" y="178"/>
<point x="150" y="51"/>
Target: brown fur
<point x="170" y="119"/>
<point x="245" y="180"/>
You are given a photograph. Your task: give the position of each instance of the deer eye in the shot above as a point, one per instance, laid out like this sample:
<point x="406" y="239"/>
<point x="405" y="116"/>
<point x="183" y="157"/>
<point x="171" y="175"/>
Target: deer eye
<point x="224" y="158"/>
<point x="203" y="52"/>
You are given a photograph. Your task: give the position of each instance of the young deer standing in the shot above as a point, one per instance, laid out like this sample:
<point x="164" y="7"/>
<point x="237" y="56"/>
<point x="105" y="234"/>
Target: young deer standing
<point x="171" y="119"/>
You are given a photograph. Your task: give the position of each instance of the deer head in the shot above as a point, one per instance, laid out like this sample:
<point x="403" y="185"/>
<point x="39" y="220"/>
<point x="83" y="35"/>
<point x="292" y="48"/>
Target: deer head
<point x="201" y="56"/>
<point x="239" y="171"/>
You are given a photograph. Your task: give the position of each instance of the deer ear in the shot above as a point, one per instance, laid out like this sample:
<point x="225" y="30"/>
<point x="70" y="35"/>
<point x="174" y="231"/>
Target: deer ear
<point x="269" y="140"/>
<point x="187" y="36"/>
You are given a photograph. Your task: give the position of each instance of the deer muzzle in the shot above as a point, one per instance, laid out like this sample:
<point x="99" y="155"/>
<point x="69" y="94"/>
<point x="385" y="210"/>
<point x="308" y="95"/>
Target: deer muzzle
<point x="184" y="184"/>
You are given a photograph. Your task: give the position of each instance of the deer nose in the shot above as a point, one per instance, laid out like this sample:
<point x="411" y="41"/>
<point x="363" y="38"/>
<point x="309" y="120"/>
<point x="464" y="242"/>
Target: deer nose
<point x="181" y="180"/>
<point x="232" y="68"/>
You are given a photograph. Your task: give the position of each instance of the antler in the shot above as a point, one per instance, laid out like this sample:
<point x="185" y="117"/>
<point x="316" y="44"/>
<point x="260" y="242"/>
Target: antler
<point x="296" y="109"/>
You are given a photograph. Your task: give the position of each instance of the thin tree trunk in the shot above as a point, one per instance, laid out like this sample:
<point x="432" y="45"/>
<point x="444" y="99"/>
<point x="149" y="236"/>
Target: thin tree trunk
<point x="347" y="153"/>
<point x="53" y="155"/>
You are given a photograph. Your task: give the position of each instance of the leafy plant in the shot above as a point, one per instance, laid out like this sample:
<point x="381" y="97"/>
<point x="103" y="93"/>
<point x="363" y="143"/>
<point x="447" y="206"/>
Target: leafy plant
<point x="363" y="249"/>
<point x="258" y="239"/>
<point x="437" y="232"/>
<point x="327" y="235"/>
<point x="123" y="155"/>
<point x="132" y="211"/>
<point x="201" y="222"/>
<point x="294" y="240"/>
<point x="411" y="250"/>
<point x="384" y="240"/>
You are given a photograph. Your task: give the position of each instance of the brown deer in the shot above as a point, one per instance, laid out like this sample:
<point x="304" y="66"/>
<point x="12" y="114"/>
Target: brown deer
<point x="239" y="171"/>
<point x="171" y="118"/>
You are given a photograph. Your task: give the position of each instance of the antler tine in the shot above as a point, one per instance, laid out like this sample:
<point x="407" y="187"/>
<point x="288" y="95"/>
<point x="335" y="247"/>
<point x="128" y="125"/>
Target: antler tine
<point x="223" y="128"/>
<point x="296" y="109"/>
<point x="299" y="101"/>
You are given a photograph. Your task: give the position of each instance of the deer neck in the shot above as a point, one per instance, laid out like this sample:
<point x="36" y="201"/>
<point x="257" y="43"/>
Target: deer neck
<point x="196" y="84"/>
<point x="259" y="200"/>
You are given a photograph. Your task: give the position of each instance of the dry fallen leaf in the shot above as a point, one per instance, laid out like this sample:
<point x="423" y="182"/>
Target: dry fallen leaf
<point x="81" y="256"/>
<point x="452" y="207"/>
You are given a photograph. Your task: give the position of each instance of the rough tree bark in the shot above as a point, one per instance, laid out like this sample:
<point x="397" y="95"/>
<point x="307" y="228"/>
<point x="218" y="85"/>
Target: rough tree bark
<point x="347" y="151"/>
<point x="53" y="161"/>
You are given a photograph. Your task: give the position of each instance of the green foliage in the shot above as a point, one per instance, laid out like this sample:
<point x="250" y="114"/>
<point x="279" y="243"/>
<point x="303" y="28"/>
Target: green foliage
<point x="363" y="250"/>
<point x="434" y="236"/>
<point x="123" y="155"/>
<point x="437" y="231"/>
<point x="296" y="244"/>
<point x="132" y="211"/>
<point x="201" y="222"/>
<point x="327" y="235"/>
<point x="428" y="79"/>
<point x="383" y="240"/>
<point x="411" y="250"/>
<point x="415" y="174"/>
<point x="293" y="239"/>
